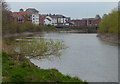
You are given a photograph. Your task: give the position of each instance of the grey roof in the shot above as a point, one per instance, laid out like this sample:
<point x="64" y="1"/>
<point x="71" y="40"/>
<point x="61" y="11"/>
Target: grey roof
<point x="44" y="14"/>
<point x="56" y="16"/>
<point x="88" y="19"/>
<point x="32" y="9"/>
<point x="48" y="19"/>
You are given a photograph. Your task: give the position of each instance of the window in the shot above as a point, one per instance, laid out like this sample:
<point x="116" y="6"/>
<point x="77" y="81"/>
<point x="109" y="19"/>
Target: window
<point x="90" y="22"/>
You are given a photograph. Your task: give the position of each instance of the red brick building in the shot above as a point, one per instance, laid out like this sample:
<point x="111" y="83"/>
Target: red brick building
<point x="30" y="15"/>
<point x="41" y="19"/>
<point x="79" y="22"/>
<point x="20" y="17"/>
<point x="90" y="22"/>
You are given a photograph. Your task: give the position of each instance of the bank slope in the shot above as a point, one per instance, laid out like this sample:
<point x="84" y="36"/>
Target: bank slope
<point x="24" y="71"/>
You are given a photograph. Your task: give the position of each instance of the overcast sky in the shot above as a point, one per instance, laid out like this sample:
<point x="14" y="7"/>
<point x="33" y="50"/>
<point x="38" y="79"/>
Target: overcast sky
<point x="70" y="9"/>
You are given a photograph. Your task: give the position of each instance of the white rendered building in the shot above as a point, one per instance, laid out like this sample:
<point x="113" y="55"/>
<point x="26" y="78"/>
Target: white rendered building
<point x="35" y="18"/>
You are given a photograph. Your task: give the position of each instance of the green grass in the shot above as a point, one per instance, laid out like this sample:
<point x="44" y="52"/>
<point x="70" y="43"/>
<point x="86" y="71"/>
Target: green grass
<point x="25" y="71"/>
<point x="0" y="67"/>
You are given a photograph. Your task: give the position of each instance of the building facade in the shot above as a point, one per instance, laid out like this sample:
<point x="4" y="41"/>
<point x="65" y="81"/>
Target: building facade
<point x="34" y="14"/>
<point x="89" y="22"/>
<point x="48" y="20"/>
<point x="30" y="15"/>
<point x="35" y="19"/>
<point x="58" y="20"/>
<point x="41" y="20"/>
<point x="20" y="17"/>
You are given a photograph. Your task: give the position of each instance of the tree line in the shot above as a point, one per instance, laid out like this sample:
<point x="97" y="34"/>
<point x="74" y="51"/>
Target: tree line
<point x="110" y="23"/>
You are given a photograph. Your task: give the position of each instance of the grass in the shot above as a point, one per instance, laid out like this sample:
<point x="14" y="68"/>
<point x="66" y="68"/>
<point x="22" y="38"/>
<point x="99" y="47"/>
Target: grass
<point x="25" y="71"/>
<point x="0" y="67"/>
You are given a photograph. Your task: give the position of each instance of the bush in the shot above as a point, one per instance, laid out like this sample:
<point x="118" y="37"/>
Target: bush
<point x="109" y="24"/>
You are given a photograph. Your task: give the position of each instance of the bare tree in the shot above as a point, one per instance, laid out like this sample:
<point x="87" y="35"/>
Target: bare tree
<point x="5" y="6"/>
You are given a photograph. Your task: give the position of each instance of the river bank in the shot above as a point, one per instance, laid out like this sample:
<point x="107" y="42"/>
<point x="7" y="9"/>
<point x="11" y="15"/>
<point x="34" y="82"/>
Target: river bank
<point x="25" y="71"/>
<point x="112" y="38"/>
<point x="44" y="32"/>
<point x="75" y="64"/>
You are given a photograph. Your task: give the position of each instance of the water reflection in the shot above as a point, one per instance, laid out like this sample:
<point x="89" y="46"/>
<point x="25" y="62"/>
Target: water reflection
<point x="87" y="58"/>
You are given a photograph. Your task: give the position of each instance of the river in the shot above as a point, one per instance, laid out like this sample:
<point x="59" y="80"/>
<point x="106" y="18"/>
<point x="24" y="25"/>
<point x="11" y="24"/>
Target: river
<point x="86" y="57"/>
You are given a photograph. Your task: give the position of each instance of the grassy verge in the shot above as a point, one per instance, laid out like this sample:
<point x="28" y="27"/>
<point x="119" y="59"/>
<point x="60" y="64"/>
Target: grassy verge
<point x="25" y="71"/>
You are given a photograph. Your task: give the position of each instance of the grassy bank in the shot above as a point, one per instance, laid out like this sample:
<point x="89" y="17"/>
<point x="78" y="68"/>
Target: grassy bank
<point x="25" y="71"/>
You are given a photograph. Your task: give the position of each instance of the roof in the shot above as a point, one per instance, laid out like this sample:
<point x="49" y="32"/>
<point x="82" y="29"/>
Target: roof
<point x="88" y="19"/>
<point x="23" y="13"/>
<point x="56" y="16"/>
<point x="48" y="19"/>
<point x="19" y="14"/>
<point x="32" y="9"/>
<point x="76" y="20"/>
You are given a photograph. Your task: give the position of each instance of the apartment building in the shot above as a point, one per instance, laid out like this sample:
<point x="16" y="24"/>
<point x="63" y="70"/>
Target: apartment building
<point x="30" y="15"/>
